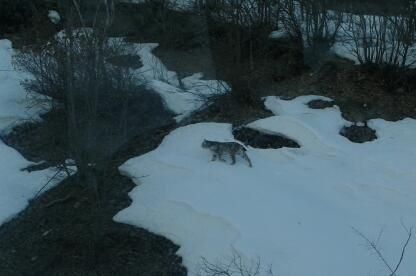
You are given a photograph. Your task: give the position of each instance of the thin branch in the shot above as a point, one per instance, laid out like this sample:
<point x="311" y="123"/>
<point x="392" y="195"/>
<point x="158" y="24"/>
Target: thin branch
<point x="373" y="246"/>
<point x="47" y="183"/>
<point x="376" y="250"/>
<point x="409" y="236"/>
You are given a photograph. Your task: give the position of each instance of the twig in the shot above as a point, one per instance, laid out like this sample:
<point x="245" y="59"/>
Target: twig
<point x="47" y="183"/>
<point x="59" y="200"/>
<point x="373" y="245"/>
<point x="409" y="236"/>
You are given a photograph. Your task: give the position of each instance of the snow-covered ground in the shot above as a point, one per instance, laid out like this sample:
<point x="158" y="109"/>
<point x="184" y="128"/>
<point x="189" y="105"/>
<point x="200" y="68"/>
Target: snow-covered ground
<point x="296" y="209"/>
<point x="16" y="186"/>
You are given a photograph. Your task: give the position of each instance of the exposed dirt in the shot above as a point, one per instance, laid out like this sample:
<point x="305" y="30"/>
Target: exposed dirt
<point x="69" y="229"/>
<point x="129" y="61"/>
<point x="359" y="134"/>
<point x="320" y="104"/>
<point x="41" y="141"/>
<point x="366" y="93"/>
<point x="61" y="235"/>
<point x="257" y="139"/>
<point x="188" y="61"/>
<point x="148" y="22"/>
<point x="225" y="110"/>
<point x="361" y="94"/>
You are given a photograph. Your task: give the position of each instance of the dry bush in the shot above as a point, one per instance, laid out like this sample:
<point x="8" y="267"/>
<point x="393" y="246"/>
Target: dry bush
<point x="239" y="32"/>
<point x="236" y="265"/>
<point x="383" y="39"/>
<point x="309" y="22"/>
<point x="73" y="71"/>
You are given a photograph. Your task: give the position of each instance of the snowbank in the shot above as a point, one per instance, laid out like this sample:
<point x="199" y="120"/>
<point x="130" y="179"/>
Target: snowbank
<point x="296" y="208"/>
<point x="16" y="187"/>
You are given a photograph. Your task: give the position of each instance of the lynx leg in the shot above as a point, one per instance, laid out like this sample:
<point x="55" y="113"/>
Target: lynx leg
<point x="245" y="156"/>
<point x="232" y="158"/>
<point x="220" y="157"/>
<point x="214" y="157"/>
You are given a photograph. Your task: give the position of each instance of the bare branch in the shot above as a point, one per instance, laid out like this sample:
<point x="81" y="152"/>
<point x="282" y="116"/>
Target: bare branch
<point x="235" y="266"/>
<point x="374" y="247"/>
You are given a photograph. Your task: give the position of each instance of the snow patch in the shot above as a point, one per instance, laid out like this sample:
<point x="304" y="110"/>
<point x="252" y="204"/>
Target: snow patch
<point x="17" y="187"/>
<point x="181" y="96"/>
<point x="54" y="17"/>
<point x="279" y="34"/>
<point x="296" y="208"/>
<point x="15" y="104"/>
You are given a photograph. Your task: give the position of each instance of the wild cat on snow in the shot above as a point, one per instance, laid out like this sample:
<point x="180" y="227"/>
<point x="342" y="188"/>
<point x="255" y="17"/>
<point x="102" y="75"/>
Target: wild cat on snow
<point x="232" y="148"/>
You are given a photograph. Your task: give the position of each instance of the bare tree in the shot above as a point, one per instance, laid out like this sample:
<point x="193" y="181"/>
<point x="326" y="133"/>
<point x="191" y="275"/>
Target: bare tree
<point x="240" y="31"/>
<point x="237" y="265"/>
<point x="383" y="39"/>
<point x="73" y="69"/>
<point x="310" y="22"/>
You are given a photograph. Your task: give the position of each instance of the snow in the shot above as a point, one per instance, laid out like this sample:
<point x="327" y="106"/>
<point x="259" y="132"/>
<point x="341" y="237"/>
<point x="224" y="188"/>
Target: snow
<point x="16" y="187"/>
<point x="183" y="96"/>
<point x="153" y="68"/>
<point x="297" y="208"/>
<point x="54" y="17"/>
<point x="279" y="34"/>
<point x="15" y="105"/>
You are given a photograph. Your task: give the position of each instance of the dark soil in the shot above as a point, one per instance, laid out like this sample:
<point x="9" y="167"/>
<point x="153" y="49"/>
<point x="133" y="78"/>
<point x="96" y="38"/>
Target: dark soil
<point x="187" y="61"/>
<point x="142" y="110"/>
<point x="41" y="141"/>
<point x="225" y="110"/>
<point x="69" y="230"/>
<point x="360" y="93"/>
<point x="365" y="93"/>
<point x="320" y="104"/>
<point x="148" y="22"/>
<point x="26" y="22"/>
<point x="358" y="134"/>
<point x="74" y="236"/>
<point x="257" y="139"/>
<point x="129" y="61"/>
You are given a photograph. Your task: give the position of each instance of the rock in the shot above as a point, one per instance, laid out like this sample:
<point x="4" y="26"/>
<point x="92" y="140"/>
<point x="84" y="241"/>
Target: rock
<point x="257" y="139"/>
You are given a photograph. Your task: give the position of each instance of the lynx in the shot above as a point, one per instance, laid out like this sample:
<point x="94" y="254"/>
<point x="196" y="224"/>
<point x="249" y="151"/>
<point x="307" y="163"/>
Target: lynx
<point x="232" y="148"/>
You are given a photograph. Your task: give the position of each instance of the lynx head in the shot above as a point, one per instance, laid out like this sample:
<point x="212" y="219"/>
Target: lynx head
<point x="206" y="144"/>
